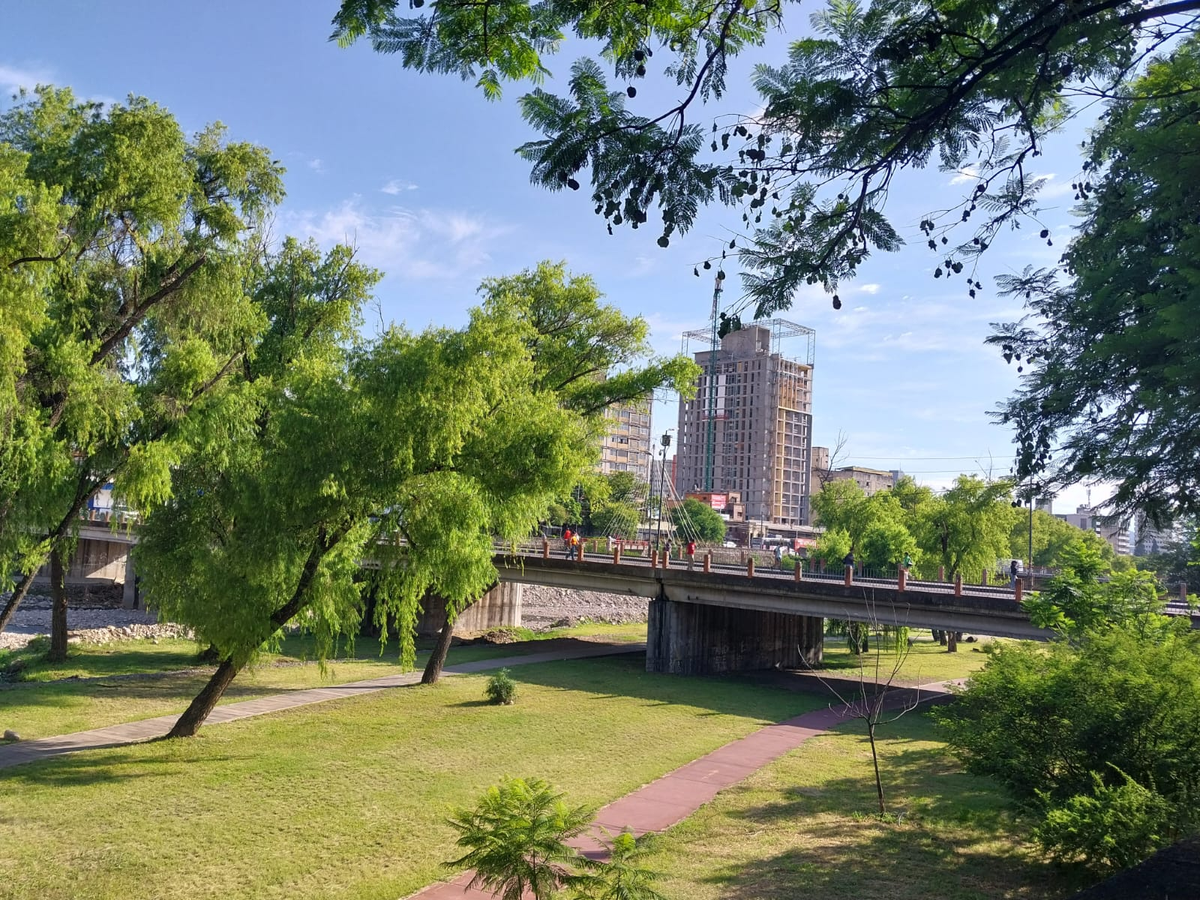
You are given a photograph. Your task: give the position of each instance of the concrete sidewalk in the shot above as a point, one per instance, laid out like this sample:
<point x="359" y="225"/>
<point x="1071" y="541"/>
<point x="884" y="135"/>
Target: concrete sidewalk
<point x="22" y="752"/>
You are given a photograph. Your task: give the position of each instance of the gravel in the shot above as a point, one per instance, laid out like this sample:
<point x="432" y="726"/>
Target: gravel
<point x="546" y="607"/>
<point x="93" y="624"/>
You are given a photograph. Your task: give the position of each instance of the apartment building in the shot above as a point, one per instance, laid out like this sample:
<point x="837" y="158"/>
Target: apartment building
<point x="1113" y="530"/>
<point x="872" y="481"/>
<point x="759" y="406"/>
<point x="626" y="445"/>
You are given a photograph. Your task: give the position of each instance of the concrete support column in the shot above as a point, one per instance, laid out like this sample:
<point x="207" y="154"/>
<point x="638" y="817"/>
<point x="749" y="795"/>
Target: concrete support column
<point x="1183" y="591"/>
<point x="616" y="554"/>
<point x="958" y="585"/>
<point x="695" y="639"/>
<point x="579" y="553"/>
<point x="666" y="559"/>
<point x="1018" y="590"/>
<point x="545" y="548"/>
<point x="798" y="573"/>
<point x="849" y="576"/>
<point x="498" y="608"/>
<point x="129" y="597"/>
<point x="750" y="567"/>
<point x="653" y="558"/>
<point x="902" y="579"/>
<point x="708" y="561"/>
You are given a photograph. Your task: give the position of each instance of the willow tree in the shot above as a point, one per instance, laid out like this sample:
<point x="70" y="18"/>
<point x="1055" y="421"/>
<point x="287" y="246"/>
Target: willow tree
<point x="588" y="354"/>
<point x="125" y="255"/>
<point x="410" y="454"/>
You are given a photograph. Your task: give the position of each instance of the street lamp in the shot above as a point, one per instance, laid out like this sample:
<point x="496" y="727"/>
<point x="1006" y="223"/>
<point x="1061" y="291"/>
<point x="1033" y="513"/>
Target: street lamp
<point x="662" y="479"/>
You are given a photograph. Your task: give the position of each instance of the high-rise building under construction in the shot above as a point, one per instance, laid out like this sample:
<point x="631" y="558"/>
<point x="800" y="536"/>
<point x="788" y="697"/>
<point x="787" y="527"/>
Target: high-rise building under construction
<point x="749" y="427"/>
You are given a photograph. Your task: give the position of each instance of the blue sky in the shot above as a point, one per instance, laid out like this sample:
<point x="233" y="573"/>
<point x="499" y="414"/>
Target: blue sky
<point x="419" y="173"/>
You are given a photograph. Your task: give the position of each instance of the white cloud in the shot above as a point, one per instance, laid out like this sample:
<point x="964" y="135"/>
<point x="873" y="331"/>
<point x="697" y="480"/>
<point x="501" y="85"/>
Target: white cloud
<point x="396" y="186"/>
<point x="970" y="173"/>
<point x="317" y="165"/>
<point x="437" y="244"/>
<point x="12" y="78"/>
<point x="869" y="288"/>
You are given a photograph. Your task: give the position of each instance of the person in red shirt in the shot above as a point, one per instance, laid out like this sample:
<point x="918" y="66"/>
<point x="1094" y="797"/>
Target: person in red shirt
<point x="691" y="552"/>
<point x="567" y="542"/>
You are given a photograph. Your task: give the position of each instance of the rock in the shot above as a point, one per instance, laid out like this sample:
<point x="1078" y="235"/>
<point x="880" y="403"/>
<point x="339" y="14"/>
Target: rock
<point x="10" y="735"/>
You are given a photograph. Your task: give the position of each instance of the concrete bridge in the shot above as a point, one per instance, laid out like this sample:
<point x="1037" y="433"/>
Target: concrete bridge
<point x="710" y="619"/>
<point x="731" y="618"/>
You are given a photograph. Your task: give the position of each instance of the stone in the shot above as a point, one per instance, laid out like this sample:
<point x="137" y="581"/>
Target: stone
<point x="10" y="735"/>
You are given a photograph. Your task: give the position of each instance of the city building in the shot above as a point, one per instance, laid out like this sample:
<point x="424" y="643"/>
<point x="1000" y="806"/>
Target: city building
<point x="749" y="428"/>
<point x="728" y="504"/>
<point x="626" y="446"/>
<point x="870" y="480"/>
<point x="1150" y="538"/>
<point x="1111" y="528"/>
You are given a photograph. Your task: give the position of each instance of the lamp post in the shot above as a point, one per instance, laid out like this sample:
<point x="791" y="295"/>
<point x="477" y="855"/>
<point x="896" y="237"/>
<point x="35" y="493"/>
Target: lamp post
<point x="662" y="480"/>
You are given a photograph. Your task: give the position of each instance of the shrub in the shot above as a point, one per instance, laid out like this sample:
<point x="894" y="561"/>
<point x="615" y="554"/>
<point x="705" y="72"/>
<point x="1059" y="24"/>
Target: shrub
<point x="516" y="839"/>
<point x="501" y="689"/>
<point x="1114" y="827"/>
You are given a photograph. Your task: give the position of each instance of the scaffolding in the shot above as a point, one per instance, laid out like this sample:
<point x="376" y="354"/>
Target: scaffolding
<point x="789" y="342"/>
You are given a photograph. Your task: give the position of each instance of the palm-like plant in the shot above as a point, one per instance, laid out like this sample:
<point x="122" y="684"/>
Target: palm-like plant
<point x="622" y="877"/>
<point x="516" y="839"/>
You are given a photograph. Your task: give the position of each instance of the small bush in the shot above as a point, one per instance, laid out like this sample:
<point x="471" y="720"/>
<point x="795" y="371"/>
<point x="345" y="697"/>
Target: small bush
<point x="38" y="645"/>
<point x="501" y="689"/>
<point x="1113" y="828"/>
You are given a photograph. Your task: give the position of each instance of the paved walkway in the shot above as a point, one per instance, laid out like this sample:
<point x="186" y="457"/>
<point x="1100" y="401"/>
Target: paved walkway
<point x="671" y="799"/>
<point x="21" y="752"/>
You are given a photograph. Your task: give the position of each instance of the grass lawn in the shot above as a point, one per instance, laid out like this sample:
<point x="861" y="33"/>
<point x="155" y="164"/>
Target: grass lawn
<point x="349" y="799"/>
<point x="50" y="703"/>
<point x="806" y="827"/>
<point x="927" y="660"/>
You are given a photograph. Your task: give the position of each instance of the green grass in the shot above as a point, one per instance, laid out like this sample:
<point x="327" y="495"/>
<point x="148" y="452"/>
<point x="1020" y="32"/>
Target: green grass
<point x="349" y="799"/>
<point x="49" y="703"/>
<point x="927" y="661"/>
<point x="806" y="826"/>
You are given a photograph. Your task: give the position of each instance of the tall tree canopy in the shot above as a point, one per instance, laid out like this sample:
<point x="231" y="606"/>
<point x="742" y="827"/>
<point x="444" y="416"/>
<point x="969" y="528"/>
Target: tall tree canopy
<point x="878" y="89"/>
<point x="412" y="452"/>
<point x="123" y="250"/>
<point x="1112" y="387"/>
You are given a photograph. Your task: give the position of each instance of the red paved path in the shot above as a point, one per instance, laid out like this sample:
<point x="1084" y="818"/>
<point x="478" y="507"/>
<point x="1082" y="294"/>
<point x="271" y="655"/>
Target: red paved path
<point x="672" y="798"/>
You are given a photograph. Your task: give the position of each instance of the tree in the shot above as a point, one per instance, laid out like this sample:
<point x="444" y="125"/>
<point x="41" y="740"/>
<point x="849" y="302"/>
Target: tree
<point x="1087" y="595"/>
<point x="126" y="247"/>
<point x="876" y="91"/>
<point x="1109" y="388"/>
<point x="1051" y="536"/>
<point x="876" y="526"/>
<point x="1064" y="729"/>
<point x="694" y="520"/>
<point x="841" y="505"/>
<point x="968" y="528"/>
<point x="516" y="839"/>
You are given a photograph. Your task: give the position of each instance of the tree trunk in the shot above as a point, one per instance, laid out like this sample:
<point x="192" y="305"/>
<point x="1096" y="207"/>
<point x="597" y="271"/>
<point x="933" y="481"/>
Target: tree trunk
<point x="18" y="594"/>
<point x="193" y="717"/>
<point x="951" y="641"/>
<point x="875" y="760"/>
<point x="58" y="609"/>
<point x="437" y="659"/>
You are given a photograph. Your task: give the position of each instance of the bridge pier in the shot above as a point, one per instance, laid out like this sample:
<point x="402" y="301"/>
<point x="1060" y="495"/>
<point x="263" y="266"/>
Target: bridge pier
<point x="698" y="639"/>
<point x="499" y="607"/>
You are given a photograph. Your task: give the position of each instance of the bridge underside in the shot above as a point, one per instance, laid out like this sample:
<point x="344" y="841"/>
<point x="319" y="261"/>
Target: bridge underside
<point x="697" y="639"/>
